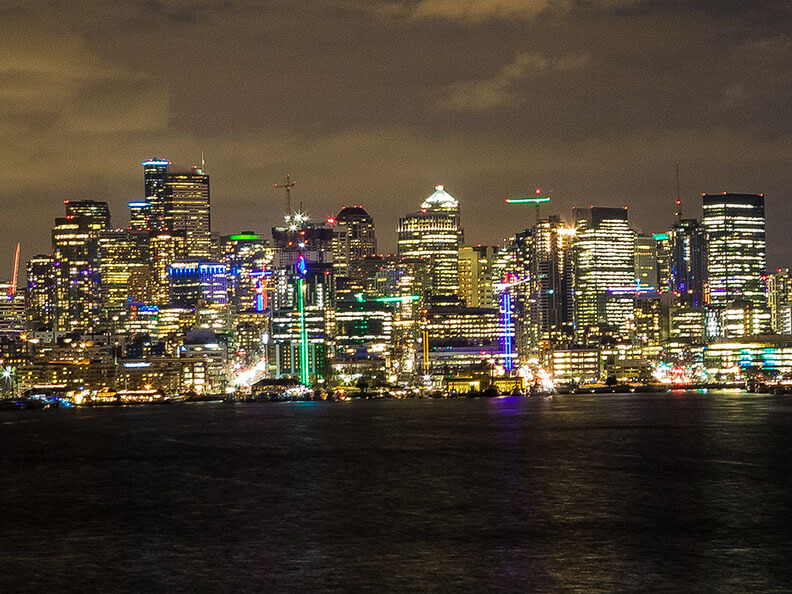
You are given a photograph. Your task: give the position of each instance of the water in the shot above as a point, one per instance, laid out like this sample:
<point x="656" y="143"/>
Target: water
<point x="587" y="493"/>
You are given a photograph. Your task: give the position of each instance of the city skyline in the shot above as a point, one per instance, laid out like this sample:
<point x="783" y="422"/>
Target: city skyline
<point x="372" y="103"/>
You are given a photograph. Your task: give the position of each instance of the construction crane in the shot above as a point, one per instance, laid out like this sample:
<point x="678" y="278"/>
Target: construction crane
<point x="15" y="274"/>
<point x="537" y="199"/>
<point x="288" y="186"/>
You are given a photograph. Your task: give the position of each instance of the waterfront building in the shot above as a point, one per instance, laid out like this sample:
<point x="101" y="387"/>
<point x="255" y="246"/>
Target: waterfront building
<point x="575" y="365"/>
<point x="743" y="318"/>
<point x="779" y="296"/>
<point x="765" y="355"/>
<point x="433" y="235"/>
<point x="604" y="269"/>
<point x="736" y="252"/>
<point x="688" y="322"/>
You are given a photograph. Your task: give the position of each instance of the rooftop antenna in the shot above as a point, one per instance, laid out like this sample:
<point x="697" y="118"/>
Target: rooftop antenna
<point x="15" y="274"/>
<point x="288" y="185"/>
<point x="203" y="162"/>
<point x="679" y="195"/>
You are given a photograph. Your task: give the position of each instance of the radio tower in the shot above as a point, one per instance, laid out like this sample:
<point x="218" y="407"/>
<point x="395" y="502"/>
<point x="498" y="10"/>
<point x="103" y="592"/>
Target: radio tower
<point x="288" y="185"/>
<point x="15" y="274"/>
<point x="678" y="201"/>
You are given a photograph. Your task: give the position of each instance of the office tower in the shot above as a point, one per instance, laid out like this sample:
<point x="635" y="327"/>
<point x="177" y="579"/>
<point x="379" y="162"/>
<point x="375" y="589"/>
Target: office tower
<point x="41" y="292"/>
<point x="664" y="257"/>
<point x="248" y="257"/>
<point x="76" y="297"/>
<point x="476" y="275"/>
<point x="303" y="299"/>
<point x="604" y="269"/>
<point x="779" y="296"/>
<point x="433" y="235"/>
<point x="645" y="263"/>
<point x="164" y="249"/>
<point x="139" y="215"/>
<point x="551" y="281"/>
<point x="124" y="266"/>
<point x="688" y="271"/>
<point x="192" y="281"/>
<point x="353" y="237"/>
<point x="736" y="257"/>
<point x="187" y="209"/>
<point x="96" y="215"/>
<point x="153" y="208"/>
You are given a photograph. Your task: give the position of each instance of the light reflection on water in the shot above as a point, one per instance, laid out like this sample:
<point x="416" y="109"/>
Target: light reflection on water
<point x="592" y="493"/>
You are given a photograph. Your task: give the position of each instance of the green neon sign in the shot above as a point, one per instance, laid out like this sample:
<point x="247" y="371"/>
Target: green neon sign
<point x="243" y="237"/>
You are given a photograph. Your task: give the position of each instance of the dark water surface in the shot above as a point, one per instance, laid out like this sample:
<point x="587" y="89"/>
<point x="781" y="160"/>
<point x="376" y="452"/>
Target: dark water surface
<point x="654" y="492"/>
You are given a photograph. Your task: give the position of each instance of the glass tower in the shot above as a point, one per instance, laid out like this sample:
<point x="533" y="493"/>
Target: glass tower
<point x="736" y="254"/>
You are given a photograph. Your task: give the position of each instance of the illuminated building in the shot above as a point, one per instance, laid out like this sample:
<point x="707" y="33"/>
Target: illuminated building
<point x="688" y="322"/>
<point x="363" y="327"/>
<point x="769" y="355"/>
<point x="124" y="266"/>
<point x="77" y="296"/>
<point x="646" y="263"/>
<point x="663" y="249"/>
<point x="187" y="209"/>
<point x="779" y="296"/>
<point x="604" y="269"/>
<point x="457" y="337"/>
<point x="164" y="250"/>
<point x="248" y="257"/>
<point x="736" y="258"/>
<point x="353" y="237"/>
<point x="150" y="213"/>
<point x="12" y="311"/>
<point x="551" y="303"/>
<point x="41" y="291"/>
<point x="688" y="272"/>
<point x="95" y="215"/>
<point x="647" y="325"/>
<point x="743" y="318"/>
<point x="575" y="366"/>
<point x="194" y="280"/>
<point x="303" y="300"/>
<point x="434" y="235"/>
<point x="476" y="280"/>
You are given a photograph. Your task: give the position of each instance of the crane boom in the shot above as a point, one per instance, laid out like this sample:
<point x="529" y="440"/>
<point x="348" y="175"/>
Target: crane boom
<point x="15" y="274"/>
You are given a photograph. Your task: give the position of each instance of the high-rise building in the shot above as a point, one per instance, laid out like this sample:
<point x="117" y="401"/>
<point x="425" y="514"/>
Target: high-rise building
<point x="476" y="275"/>
<point x="164" y="249"/>
<point x="187" y="209"/>
<point x="736" y="254"/>
<point x="604" y="269"/>
<point x="153" y="208"/>
<point x="688" y="271"/>
<point x="124" y="266"/>
<point x="434" y="235"/>
<point x="779" y="296"/>
<point x="192" y="281"/>
<point x="41" y="291"/>
<point x="95" y="214"/>
<point x="645" y="263"/>
<point x="353" y="237"/>
<point x="248" y="257"/>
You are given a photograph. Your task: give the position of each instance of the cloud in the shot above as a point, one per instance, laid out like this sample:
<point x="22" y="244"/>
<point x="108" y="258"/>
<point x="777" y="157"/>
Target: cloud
<point x="498" y="91"/>
<point x="475" y="11"/>
<point x="59" y="84"/>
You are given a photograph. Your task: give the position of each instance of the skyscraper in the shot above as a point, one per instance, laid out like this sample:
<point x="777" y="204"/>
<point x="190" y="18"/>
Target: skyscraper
<point x="604" y="268"/>
<point x="736" y="254"/>
<point x="152" y="209"/>
<point x="688" y="272"/>
<point x="187" y="209"/>
<point x="353" y="237"/>
<point x="433" y="235"/>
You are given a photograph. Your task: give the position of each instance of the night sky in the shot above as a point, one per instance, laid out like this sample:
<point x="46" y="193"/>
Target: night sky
<point x="373" y="102"/>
